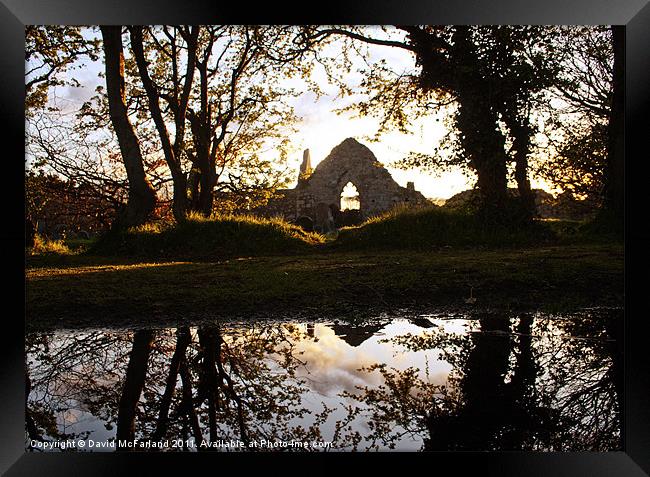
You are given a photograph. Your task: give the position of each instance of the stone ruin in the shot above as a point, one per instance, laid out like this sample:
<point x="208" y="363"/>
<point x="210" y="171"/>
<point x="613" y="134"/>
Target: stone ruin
<point x="316" y="200"/>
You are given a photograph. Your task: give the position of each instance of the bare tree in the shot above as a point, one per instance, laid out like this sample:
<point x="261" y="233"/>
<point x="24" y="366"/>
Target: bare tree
<point x="142" y="197"/>
<point x="178" y="104"/>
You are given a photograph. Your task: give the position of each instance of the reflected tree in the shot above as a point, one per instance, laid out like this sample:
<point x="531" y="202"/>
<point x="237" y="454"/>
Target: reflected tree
<point x="133" y="384"/>
<point x="67" y="378"/>
<point x="585" y="378"/>
<point x="183" y="340"/>
<point x="238" y="384"/>
<point x="516" y="384"/>
<point x="248" y="385"/>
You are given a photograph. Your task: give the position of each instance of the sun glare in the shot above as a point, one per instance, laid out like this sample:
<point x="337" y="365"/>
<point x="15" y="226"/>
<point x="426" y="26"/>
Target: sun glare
<point x="350" y="197"/>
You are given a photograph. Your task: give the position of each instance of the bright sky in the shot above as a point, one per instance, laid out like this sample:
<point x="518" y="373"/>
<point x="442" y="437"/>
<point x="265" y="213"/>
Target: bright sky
<point x="321" y="128"/>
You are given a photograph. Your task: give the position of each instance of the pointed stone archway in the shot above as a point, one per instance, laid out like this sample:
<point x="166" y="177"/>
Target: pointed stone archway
<point x="349" y="162"/>
<point x="350" y="199"/>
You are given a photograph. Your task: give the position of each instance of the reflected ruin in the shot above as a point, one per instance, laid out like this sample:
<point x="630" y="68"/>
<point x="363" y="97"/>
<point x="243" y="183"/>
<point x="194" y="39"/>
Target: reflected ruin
<point x="525" y="382"/>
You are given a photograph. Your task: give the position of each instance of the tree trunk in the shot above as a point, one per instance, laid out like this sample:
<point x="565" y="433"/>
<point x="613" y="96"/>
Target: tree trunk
<point x="205" y="179"/>
<point x="521" y="133"/>
<point x="179" y="180"/>
<point x="182" y="342"/>
<point x="477" y="122"/>
<point x="201" y="125"/>
<point x="523" y="184"/>
<point x="484" y="145"/>
<point x="133" y="385"/>
<point x="188" y="403"/>
<point x="179" y="204"/>
<point x="614" y="202"/>
<point x="142" y="197"/>
<point x="193" y="182"/>
<point x="206" y="197"/>
<point x="457" y="71"/>
<point x="208" y="341"/>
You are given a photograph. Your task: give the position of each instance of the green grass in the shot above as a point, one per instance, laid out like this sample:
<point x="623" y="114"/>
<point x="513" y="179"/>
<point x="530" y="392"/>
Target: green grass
<point x="160" y="293"/>
<point x="427" y="228"/>
<point x="228" y="236"/>
<point x="199" y="238"/>
<point x="234" y="266"/>
<point x="595" y="231"/>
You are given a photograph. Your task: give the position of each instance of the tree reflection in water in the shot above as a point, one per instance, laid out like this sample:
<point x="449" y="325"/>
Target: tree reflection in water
<point x="517" y="384"/>
<point x="527" y="383"/>
<point x="228" y="388"/>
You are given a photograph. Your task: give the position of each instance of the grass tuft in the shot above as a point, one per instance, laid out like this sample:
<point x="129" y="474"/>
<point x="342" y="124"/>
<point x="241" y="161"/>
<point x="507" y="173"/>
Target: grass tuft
<point x="216" y="237"/>
<point x="43" y="246"/>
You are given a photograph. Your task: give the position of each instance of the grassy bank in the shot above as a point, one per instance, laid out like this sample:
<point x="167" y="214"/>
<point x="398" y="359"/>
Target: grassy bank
<point x="199" y="238"/>
<point x="426" y="228"/>
<point x="157" y="293"/>
<point x="230" y="236"/>
<point x="430" y="228"/>
<point x="237" y="266"/>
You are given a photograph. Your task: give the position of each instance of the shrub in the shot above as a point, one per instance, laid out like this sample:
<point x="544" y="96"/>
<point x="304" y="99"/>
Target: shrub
<point x="43" y="245"/>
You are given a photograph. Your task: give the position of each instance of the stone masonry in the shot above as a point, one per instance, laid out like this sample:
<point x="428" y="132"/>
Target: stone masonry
<point x="352" y="162"/>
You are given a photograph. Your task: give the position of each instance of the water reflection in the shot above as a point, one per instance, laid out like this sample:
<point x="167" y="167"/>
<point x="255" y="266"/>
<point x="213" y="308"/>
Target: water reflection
<point x="489" y="382"/>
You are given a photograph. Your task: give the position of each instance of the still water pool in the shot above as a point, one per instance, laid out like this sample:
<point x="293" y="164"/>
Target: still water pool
<point x="398" y="382"/>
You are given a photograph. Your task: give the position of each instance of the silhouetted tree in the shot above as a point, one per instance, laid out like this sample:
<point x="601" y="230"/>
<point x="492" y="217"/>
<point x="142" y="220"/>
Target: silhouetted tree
<point x="142" y="197"/>
<point x="178" y="101"/>
<point x="491" y="75"/>
<point x="234" y="109"/>
<point x="515" y="385"/>
<point x="615" y="178"/>
<point x="50" y="51"/>
<point x="576" y="112"/>
<point x="134" y="381"/>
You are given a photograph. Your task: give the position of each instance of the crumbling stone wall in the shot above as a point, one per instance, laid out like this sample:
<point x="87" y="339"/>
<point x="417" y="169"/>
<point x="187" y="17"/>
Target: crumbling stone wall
<point x="350" y="161"/>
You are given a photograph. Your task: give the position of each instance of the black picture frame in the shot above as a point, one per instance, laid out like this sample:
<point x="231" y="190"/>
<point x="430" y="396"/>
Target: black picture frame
<point x="635" y="14"/>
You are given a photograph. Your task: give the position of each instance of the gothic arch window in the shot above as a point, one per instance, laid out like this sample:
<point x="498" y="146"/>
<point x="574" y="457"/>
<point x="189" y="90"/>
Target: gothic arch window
<point x="350" y="197"/>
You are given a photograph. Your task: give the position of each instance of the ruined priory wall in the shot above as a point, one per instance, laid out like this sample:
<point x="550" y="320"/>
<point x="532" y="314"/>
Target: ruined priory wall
<point x="353" y="162"/>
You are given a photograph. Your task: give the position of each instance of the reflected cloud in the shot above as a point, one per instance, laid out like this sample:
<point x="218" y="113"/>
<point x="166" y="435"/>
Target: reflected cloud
<point x="407" y="383"/>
